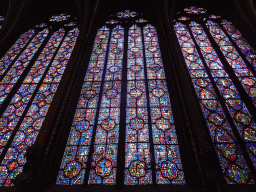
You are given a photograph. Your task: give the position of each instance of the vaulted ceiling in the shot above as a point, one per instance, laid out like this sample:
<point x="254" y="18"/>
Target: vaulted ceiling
<point x="36" y="10"/>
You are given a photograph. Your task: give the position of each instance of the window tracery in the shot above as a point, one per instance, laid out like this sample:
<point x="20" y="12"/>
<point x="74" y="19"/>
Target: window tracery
<point x="30" y="73"/>
<point x="125" y="72"/>
<point x="229" y="118"/>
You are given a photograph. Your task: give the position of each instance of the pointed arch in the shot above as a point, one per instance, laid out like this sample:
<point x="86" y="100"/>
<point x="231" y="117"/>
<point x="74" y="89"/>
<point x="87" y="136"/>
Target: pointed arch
<point x="124" y="105"/>
<point x="224" y="81"/>
<point x="30" y="74"/>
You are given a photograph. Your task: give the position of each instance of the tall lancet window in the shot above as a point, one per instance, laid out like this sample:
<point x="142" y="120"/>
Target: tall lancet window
<point x="30" y="73"/>
<point x="221" y="65"/>
<point x="1" y="21"/>
<point x="123" y="127"/>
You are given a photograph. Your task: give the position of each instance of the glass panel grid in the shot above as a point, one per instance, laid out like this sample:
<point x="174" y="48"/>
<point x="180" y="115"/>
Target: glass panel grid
<point x="240" y="68"/>
<point x="241" y="42"/>
<point x="138" y="170"/>
<point x="231" y="159"/>
<point x="26" y="135"/>
<point x="20" y="65"/>
<point x="73" y="166"/>
<point x="13" y="52"/>
<point x="167" y="157"/>
<point x="237" y="109"/>
<point x="104" y="162"/>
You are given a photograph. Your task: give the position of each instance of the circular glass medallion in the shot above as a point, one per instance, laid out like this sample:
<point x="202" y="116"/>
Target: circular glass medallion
<point x="99" y="51"/>
<point x="117" y="36"/>
<point x="135" y="49"/>
<point x="72" y="169"/>
<point x="136" y="68"/>
<point x="82" y="126"/>
<point x="216" y="119"/>
<point x="95" y="69"/>
<point x="152" y="34"/>
<point x="163" y="124"/>
<point x="223" y="135"/>
<point x="108" y="124"/>
<point x="102" y="36"/>
<point x="206" y="94"/>
<point x="237" y="174"/>
<point x="134" y="35"/>
<point x="152" y="49"/>
<point x="136" y="93"/>
<point x="155" y="67"/>
<point x="111" y="93"/>
<point x="229" y="151"/>
<point x="229" y="94"/>
<point x="158" y="92"/>
<point x="20" y="136"/>
<point x="137" y="168"/>
<point x="116" y="51"/>
<point x="12" y="165"/>
<point x="114" y="69"/>
<point x="224" y="82"/>
<point x="211" y="104"/>
<point x="90" y="94"/>
<point x="207" y="49"/>
<point x="169" y="170"/>
<point x="103" y="167"/>
<point x="235" y="104"/>
<point x="243" y="118"/>
<point x="248" y="81"/>
<point x="202" y="82"/>
<point x="137" y="123"/>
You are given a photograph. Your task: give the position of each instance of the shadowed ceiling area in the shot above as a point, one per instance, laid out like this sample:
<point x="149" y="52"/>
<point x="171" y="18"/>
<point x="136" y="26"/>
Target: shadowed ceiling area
<point x="44" y="9"/>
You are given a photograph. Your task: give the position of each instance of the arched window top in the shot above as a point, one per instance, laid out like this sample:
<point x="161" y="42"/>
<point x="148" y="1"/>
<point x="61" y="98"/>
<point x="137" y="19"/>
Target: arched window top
<point x="126" y="14"/>
<point x="214" y="17"/>
<point x="141" y="20"/>
<point x="112" y="21"/>
<point x="32" y="68"/>
<point x="127" y="18"/>
<point x="195" y="13"/>
<point x="124" y="112"/>
<point x="195" y="10"/>
<point x="1" y="21"/>
<point x="41" y="25"/>
<point x="70" y="24"/>
<point x="221" y="65"/>
<point x="58" y="21"/>
<point x="60" y="17"/>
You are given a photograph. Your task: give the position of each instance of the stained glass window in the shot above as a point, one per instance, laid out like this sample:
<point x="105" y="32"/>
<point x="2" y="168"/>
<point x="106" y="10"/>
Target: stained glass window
<point x="41" y="25"/>
<point x="124" y="102"/>
<point x="222" y="78"/>
<point x="1" y="21"/>
<point x="30" y="74"/>
<point x="60" y="17"/>
<point x="126" y="14"/>
<point x="195" y="10"/>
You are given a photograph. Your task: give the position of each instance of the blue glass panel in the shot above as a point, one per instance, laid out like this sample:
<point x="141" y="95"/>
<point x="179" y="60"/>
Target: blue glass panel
<point x="231" y="159"/>
<point x="75" y="158"/>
